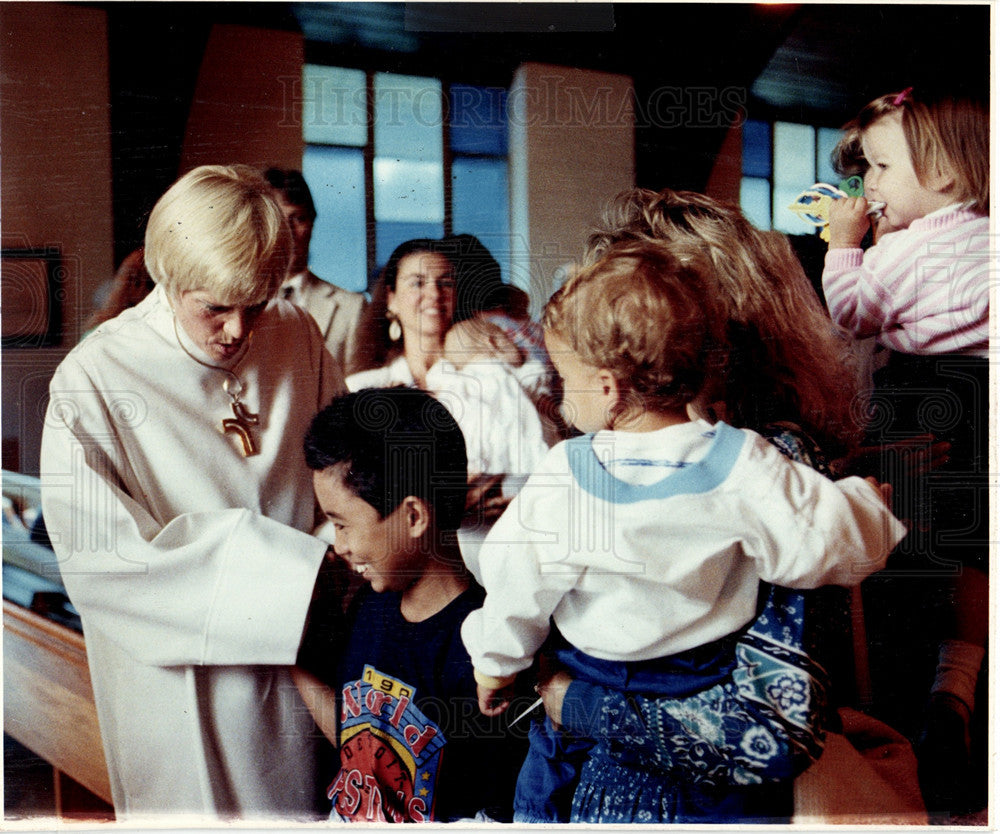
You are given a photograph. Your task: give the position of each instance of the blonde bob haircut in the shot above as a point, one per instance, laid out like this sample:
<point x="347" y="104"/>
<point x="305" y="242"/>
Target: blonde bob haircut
<point x="219" y="229"/>
<point x="945" y="136"/>
<point x="785" y="360"/>
<point x="646" y="317"/>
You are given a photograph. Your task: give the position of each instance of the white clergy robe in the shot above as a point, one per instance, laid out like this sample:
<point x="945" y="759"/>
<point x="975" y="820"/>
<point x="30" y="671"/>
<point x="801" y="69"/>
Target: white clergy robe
<point x="191" y="564"/>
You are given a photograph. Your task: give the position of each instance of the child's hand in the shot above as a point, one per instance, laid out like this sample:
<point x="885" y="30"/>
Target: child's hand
<point x="849" y="222"/>
<point x="494" y="701"/>
<point x="320" y="700"/>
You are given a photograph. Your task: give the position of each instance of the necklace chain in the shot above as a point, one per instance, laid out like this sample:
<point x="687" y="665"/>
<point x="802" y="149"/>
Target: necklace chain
<point x="232" y="384"/>
<point x="243" y="420"/>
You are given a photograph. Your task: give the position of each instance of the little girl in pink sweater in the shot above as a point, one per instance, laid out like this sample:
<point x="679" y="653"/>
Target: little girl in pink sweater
<point x="923" y="291"/>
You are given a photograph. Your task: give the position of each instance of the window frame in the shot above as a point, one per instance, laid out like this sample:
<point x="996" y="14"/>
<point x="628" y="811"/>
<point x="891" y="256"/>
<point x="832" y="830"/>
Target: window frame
<point x="448" y="155"/>
<point x="770" y="120"/>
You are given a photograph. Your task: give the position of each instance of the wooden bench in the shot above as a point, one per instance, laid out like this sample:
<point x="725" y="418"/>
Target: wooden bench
<point x="49" y="707"/>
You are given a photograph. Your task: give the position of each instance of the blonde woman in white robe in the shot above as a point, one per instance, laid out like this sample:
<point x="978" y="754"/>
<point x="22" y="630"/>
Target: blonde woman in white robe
<point x="179" y="503"/>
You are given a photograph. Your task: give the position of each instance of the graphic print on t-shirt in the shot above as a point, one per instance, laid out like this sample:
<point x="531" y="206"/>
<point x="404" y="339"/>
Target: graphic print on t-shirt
<point x="390" y="753"/>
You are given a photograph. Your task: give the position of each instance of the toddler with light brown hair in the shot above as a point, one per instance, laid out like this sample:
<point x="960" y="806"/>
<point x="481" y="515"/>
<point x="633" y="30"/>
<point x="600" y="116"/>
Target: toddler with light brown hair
<point x="644" y="540"/>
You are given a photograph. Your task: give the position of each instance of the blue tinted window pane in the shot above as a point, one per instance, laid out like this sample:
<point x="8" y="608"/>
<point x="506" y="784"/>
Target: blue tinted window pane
<point x="756" y="149"/>
<point x="826" y="140"/>
<point x="794" y="172"/>
<point x="389" y="235"/>
<point x="755" y="200"/>
<point x="479" y="205"/>
<point x="478" y="119"/>
<point x="408" y="192"/>
<point x="794" y="155"/>
<point x="333" y="106"/>
<point x="408" y="117"/>
<point x="336" y="178"/>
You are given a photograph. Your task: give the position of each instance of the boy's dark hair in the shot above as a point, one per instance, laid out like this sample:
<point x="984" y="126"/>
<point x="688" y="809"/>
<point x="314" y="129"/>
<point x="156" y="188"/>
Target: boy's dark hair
<point x="397" y="442"/>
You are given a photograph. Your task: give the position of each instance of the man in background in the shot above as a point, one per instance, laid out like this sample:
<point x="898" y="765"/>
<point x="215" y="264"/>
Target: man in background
<point x="336" y="310"/>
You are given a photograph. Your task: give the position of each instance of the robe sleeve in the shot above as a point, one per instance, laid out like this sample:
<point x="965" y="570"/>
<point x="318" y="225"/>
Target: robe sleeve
<point x="221" y="587"/>
<point x="804" y="530"/>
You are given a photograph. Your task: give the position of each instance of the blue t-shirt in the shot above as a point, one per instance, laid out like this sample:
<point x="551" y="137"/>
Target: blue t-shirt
<point x="413" y="743"/>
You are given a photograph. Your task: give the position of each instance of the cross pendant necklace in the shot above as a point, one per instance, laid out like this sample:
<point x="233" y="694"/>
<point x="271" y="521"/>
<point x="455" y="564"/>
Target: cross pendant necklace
<point x="243" y="420"/>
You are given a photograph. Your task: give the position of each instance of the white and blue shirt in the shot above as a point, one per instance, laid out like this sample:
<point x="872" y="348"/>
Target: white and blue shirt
<point x="641" y="545"/>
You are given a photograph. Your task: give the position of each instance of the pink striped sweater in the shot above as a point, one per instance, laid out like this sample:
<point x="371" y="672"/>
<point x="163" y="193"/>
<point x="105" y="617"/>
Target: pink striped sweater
<point x="922" y="290"/>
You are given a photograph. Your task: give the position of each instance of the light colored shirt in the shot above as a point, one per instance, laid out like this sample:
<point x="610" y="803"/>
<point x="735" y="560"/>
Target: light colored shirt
<point x="923" y="290"/>
<point x="502" y="429"/>
<point x="634" y="568"/>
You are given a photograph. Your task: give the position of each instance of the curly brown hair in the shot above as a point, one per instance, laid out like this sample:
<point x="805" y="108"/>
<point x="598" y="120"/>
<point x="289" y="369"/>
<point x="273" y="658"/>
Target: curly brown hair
<point x="646" y="317"/>
<point x="786" y="361"/>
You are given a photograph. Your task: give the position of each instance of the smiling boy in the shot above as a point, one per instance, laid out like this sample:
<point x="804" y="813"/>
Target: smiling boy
<point x="389" y="472"/>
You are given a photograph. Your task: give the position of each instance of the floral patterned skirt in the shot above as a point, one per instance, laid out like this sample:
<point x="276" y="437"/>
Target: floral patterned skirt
<point x="610" y="792"/>
<point x="648" y="749"/>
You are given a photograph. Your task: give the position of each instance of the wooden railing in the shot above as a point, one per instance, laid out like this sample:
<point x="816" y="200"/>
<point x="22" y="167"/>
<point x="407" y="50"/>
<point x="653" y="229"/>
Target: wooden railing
<point x="49" y="702"/>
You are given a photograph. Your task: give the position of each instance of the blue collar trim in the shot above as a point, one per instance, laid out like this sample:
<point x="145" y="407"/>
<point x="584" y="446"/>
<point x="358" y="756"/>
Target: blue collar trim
<point x="700" y="476"/>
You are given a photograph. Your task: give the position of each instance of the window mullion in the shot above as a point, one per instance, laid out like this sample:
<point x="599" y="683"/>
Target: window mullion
<point x="446" y="155"/>
<point x="369" y="157"/>
<point x="771" y="176"/>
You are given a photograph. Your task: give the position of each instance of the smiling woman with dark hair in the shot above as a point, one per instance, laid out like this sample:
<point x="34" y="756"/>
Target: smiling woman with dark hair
<point x="413" y="305"/>
<point x="412" y="311"/>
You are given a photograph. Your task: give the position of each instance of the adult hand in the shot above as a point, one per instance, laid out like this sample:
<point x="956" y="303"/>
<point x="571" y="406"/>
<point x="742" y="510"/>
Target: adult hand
<point x="553" y="681"/>
<point x="553" y="692"/>
<point x="885" y="490"/>
<point x="919" y="455"/>
<point x="904" y="460"/>
<point x="484" y="501"/>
